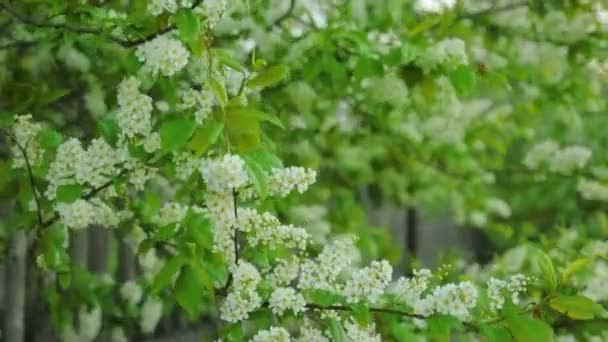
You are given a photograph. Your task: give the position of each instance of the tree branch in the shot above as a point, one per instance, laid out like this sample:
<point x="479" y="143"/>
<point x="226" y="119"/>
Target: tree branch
<point x="89" y="195"/>
<point x="89" y="30"/>
<point x="30" y="174"/>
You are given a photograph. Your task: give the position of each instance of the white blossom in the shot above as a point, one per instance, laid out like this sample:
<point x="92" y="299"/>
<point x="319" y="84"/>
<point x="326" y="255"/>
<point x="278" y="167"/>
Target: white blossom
<point x="569" y="159"/>
<point x="286" y="298"/>
<point x="213" y="10"/>
<point x="171" y="212"/>
<point x="449" y="51"/>
<point x="274" y="334"/>
<point x="25" y="132"/>
<point x="540" y="153"/>
<point x="224" y="174"/>
<point x="498" y="206"/>
<point x="243" y="297"/>
<point x="368" y="283"/>
<point x="356" y="332"/>
<point x="152" y="142"/>
<point x="202" y="100"/>
<point x="151" y="312"/>
<point x="283" y="181"/>
<point x="131" y="292"/>
<point x="89" y="323"/>
<point x="163" y="54"/>
<point x="433" y="6"/>
<point x="134" y="109"/>
<point x="592" y="190"/>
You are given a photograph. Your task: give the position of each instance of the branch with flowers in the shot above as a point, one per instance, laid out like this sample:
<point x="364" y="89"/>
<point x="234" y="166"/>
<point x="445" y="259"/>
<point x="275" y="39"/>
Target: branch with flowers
<point x="184" y="167"/>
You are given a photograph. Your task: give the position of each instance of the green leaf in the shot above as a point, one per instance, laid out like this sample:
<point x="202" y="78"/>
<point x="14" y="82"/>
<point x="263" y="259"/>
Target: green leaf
<point x="69" y="193"/>
<point x="257" y="114"/>
<point x="575" y="266"/>
<point x="463" y="79"/>
<point x="336" y="330"/>
<point x="257" y="175"/>
<point x="323" y="297"/>
<point x="225" y="57"/>
<point x="440" y="326"/>
<point x="189" y="292"/>
<point x="199" y="230"/>
<point x="266" y="159"/>
<point x="576" y="307"/>
<point x="219" y="90"/>
<point x="269" y="76"/>
<point x="52" y="96"/>
<point x="526" y="329"/>
<point x="165" y="275"/>
<point x="50" y="139"/>
<point x="546" y="267"/>
<point x="243" y="129"/>
<point x="204" y="278"/>
<point x="234" y="332"/>
<point x="108" y="129"/>
<point x="188" y="25"/>
<point x="149" y="205"/>
<point x="494" y="334"/>
<point x="361" y="314"/>
<point x="206" y="136"/>
<point x="175" y="133"/>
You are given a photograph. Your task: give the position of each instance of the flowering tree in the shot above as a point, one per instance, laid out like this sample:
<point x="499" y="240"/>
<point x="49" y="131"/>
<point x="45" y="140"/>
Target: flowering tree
<point x="196" y="132"/>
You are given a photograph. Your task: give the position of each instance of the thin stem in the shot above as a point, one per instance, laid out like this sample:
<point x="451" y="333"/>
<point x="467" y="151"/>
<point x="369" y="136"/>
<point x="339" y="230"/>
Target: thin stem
<point x="89" y="195"/>
<point x="30" y="174"/>
<point x="236" y="230"/>
<point x="379" y="310"/>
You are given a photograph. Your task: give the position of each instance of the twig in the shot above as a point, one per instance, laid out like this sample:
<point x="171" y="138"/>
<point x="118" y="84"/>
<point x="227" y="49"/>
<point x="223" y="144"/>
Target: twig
<point x="89" y="30"/>
<point x="23" y="151"/>
<point x="89" y="195"/>
<point x="379" y="310"/>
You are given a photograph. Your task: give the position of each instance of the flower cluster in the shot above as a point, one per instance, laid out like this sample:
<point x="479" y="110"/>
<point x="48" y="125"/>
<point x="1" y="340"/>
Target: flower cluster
<point x="498" y="207"/>
<point x="151" y="313"/>
<point x="596" y="287"/>
<point x="82" y="213"/>
<point x="243" y="297"/>
<point x="157" y="7"/>
<point x="25" y="132"/>
<point x="540" y="153"/>
<point x="322" y="272"/>
<point x="434" y="6"/>
<point x="131" y="292"/>
<point x="170" y="213"/>
<point x="368" y="283"/>
<point x="449" y="51"/>
<point x="592" y="190"/>
<point x="224" y="174"/>
<point x="163" y="55"/>
<point x="286" y="298"/>
<point x="558" y="160"/>
<point x="89" y="325"/>
<point x="73" y="164"/>
<point x="267" y="229"/>
<point x="409" y="290"/>
<point x="283" y="181"/>
<point x="355" y="332"/>
<point x="513" y="286"/>
<point x="273" y="334"/>
<point x="213" y="10"/>
<point x="569" y="159"/>
<point x="134" y="109"/>
<point x="202" y="100"/>
<point x="455" y="299"/>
